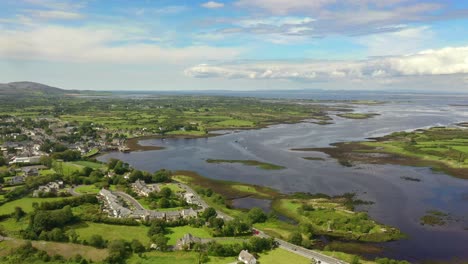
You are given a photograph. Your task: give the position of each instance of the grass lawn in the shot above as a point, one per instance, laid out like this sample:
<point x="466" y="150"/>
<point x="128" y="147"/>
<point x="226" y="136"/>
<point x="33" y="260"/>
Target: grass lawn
<point x="180" y="231"/>
<point x="113" y="232"/>
<point x="281" y="256"/>
<point x="92" y="152"/>
<point x="234" y="123"/>
<point x="173" y="186"/>
<point x="87" y="189"/>
<point x="25" y="203"/>
<point x="176" y="257"/>
<point x="344" y="256"/>
<point x="92" y="165"/>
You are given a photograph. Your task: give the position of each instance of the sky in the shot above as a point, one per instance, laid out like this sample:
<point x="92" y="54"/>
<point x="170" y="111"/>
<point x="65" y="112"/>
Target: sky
<point x="389" y="45"/>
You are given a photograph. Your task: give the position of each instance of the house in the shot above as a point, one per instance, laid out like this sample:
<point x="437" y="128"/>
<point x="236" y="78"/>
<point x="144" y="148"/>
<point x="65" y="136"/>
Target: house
<point x="142" y="189"/>
<point x="246" y="257"/>
<point x="191" y="198"/>
<point x="112" y="205"/>
<point x="16" y="180"/>
<point x="32" y="170"/>
<point x="188" y="213"/>
<point x="34" y="159"/>
<point x="172" y="215"/>
<point x="51" y="187"/>
<point x="187" y="242"/>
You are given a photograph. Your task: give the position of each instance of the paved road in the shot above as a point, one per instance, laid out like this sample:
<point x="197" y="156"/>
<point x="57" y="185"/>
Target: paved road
<point x="310" y="254"/>
<point x="129" y="198"/>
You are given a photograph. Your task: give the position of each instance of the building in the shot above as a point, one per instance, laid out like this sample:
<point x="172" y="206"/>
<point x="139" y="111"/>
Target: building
<point x="112" y="205"/>
<point x="188" y="213"/>
<point x="246" y="257"/>
<point x="51" y="187"/>
<point x="30" y="160"/>
<point x="187" y="242"/>
<point x="190" y="198"/>
<point x="32" y="170"/>
<point x="16" y="180"/>
<point x="142" y="189"/>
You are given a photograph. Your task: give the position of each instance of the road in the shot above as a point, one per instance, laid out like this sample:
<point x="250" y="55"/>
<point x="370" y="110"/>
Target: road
<point x="310" y="254"/>
<point x="129" y="198"/>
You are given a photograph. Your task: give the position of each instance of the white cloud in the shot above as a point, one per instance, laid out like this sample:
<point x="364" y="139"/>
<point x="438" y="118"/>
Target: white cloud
<point x="53" y="4"/>
<point x="54" y="14"/>
<point x="212" y="4"/>
<point x="446" y="61"/>
<point x="407" y="40"/>
<point x="282" y="7"/>
<point x="58" y="43"/>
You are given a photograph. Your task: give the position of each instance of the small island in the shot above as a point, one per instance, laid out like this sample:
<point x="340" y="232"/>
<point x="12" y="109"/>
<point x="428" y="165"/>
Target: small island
<point x="357" y="115"/>
<point x="442" y="149"/>
<point x="258" y="164"/>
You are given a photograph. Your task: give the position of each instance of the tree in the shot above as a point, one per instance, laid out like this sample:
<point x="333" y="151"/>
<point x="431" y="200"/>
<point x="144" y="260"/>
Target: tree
<point x="256" y="215"/>
<point x="58" y="235"/>
<point x="161" y="176"/>
<point x="208" y="213"/>
<point x="73" y="236"/>
<point x="2" y="161"/>
<point x="18" y="213"/>
<point x="119" y="250"/>
<point x="97" y="241"/>
<point x="160" y="241"/>
<point x="355" y="260"/>
<point x="164" y="203"/>
<point x="165" y="192"/>
<point x="157" y="227"/>
<point x="296" y="238"/>
<point x="86" y="171"/>
<point x="137" y="247"/>
<point x="46" y="161"/>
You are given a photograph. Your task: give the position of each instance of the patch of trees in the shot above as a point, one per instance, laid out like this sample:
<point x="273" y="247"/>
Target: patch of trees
<point x="255" y="244"/>
<point x="72" y="202"/>
<point x="390" y="261"/>
<point x="67" y="155"/>
<point x="48" y="224"/>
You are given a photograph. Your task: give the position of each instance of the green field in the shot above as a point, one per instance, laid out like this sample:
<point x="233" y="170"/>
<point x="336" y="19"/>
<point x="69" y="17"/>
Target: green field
<point x="112" y="232"/>
<point x="176" y="257"/>
<point x="92" y="165"/>
<point x="281" y="256"/>
<point x="24" y="203"/>
<point x="87" y="189"/>
<point x="178" y="232"/>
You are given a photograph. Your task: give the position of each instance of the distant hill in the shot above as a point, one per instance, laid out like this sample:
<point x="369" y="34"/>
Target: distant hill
<point x="31" y="89"/>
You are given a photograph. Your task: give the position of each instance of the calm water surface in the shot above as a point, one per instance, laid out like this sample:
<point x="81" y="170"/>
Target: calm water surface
<point x="398" y="202"/>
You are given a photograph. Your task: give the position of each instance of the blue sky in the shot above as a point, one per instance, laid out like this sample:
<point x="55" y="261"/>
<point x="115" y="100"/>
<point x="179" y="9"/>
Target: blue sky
<point x="236" y="45"/>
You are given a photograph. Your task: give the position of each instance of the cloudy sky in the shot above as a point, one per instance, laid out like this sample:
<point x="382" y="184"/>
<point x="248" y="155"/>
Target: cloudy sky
<point x="236" y="45"/>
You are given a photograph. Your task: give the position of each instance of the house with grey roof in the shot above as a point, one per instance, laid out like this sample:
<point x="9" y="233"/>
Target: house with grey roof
<point x="246" y="257"/>
<point x="187" y="242"/>
<point x="142" y="189"/>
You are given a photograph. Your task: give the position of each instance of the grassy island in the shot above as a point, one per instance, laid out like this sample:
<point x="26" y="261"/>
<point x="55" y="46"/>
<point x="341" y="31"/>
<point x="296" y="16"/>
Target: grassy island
<point x="443" y="149"/>
<point x="357" y="115"/>
<point x="258" y="164"/>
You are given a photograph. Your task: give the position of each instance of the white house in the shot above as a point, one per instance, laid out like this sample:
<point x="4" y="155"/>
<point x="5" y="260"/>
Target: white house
<point x="246" y="257"/>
